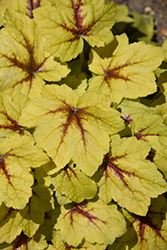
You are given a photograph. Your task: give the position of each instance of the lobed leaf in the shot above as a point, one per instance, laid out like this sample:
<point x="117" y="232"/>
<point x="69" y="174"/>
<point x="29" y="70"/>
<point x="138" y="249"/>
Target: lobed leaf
<point x="95" y="222"/>
<point x="79" y="126"/>
<point x="128" y="178"/>
<point x="129" y="72"/>
<point x="74" y="184"/>
<point x="66" y="24"/>
<point x="17" y="156"/>
<point x="147" y="232"/>
<point x="24" y="63"/>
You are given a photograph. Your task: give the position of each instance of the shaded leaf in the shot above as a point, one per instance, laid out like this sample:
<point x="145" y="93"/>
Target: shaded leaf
<point x="95" y="222"/>
<point x="73" y="21"/>
<point x="126" y="73"/>
<point x="22" y="242"/>
<point x="148" y="232"/>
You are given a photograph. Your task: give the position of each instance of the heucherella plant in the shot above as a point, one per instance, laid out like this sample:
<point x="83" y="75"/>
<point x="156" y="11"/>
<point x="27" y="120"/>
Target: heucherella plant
<point x="83" y="129"/>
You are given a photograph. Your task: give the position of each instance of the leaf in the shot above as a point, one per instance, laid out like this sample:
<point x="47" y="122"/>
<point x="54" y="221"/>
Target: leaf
<point x="17" y="156"/>
<point x="74" y="184"/>
<point x="147" y="232"/>
<point x="73" y="21"/>
<point x="34" y="211"/>
<point x="24" y="64"/>
<point x="79" y="126"/>
<point x="128" y="178"/>
<point x="134" y="110"/>
<point x="123" y="15"/>
<point x="95" y="222"/>
<point x="150" y="128"/>
<point x="10" y="109"/>
<point x="142" y="27"/>
<point x="60" y="245"/>
<point x="24" y="6"/>
<point x="22" y="242"/>
<point x="11" y="224"/>
<point x="129" y="72"/>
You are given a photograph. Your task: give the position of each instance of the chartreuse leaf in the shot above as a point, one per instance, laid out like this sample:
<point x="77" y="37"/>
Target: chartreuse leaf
<point x="25" y="6"/>
<point x="74" y="184"/>
<point x="10" y="109"/>
<point x="94" y="222"/>
<point x="28" y="220"/>
<point x="33" y="213"/>
<point x="128" y="178"/>
<point x="22" y="242"/>
<point x="74" y="127"/>
<point x="67" y="24"/>
<point x="24" y="64"/>
<point x="147" y="232"/>
<point x="60" y="245"/>
<point x="129" y="72"/>
<point x="17" y="156"/>
<point x="150" y="128"/>
<point x="131" y="110"/>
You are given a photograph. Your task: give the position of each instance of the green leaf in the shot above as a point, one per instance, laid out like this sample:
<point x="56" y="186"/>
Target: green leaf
<point x="147" y="232"/>
<point x="65" y="25"/>
<point x="24" y="6"/>
<point x="24" y="63"/>
<point x="60" y="245"/>
<point x="10" y="109"/>
<point x="33" y="213"/>
<point x="79" y="126"/>
<point x="18" y="155"/>
<point x="128" y="178"/>
<point x="74" y="184"/>
<point x="95" y="222"/>
<point x="129" y="72"/>
<point x="22" y="242"/>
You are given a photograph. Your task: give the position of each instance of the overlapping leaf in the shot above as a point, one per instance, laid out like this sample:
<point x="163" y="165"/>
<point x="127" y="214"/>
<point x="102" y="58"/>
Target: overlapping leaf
<point x="128" y="178"/>
<point x="66" y="24"/>
<point x="17" y="156"/>
<point x="10" y="109"/>
<point x="147" y="232"/>
<point x="24" y="64"/>
<point x="58" y="244"/>
<point x="74" y="184"/>
<point x="24" y="6"/>
<point x="95" y="222"/>
<point x="129" y="72"/>
<point x="22" y="242"/>
<point x="74" y="127"/>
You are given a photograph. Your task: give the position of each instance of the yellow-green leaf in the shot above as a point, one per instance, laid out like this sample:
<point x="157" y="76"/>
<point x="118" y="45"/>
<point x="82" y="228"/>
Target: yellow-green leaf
<point x="95" y="222"/>
<point x="145" y="233"/>
<point x="74" y="184"/>
<point x="129" y="72"/>
<point x="70" y="126"/>
<point x="24" y="63"/>
<point x="66" y="24"/>
<point x="17" y="156"/>
<point x="128" y="178"/>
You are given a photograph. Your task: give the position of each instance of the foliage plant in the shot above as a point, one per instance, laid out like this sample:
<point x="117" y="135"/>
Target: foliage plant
<point x="83" y="128"/>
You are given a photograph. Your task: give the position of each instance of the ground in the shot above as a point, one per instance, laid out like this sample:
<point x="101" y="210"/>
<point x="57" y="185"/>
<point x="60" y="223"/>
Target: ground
<point x="158" y="8"/>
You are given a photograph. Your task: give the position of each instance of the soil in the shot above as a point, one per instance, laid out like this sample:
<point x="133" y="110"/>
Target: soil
<point x="157" y="8"/>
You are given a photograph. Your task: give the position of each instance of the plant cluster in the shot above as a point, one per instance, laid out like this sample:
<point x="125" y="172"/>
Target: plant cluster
<point x="83" y="128"/>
